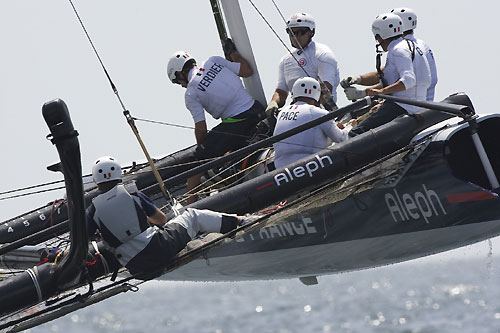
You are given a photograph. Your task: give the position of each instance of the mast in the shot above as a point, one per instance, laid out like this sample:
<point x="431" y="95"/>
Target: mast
<point x="238" y="32"/>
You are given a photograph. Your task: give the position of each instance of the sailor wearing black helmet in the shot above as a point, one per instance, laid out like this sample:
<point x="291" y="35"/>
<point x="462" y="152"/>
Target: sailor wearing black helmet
<point x="305" y="93"/>
<point x="216" y="87"/>
<point x="129" y="222"/>
<point x="308" y="58"/>
<point x="406" y="74"/>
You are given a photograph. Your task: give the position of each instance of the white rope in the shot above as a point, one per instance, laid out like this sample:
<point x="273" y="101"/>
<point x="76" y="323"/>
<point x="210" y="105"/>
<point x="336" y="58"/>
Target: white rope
<point x="33" y="275"/>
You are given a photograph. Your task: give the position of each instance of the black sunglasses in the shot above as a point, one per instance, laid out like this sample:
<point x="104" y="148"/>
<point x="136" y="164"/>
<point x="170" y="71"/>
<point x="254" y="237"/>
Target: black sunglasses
<point x="300" y="32"/>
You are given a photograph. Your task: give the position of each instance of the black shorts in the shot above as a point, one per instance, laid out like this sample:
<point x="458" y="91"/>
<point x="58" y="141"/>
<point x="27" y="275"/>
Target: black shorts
<point x="230" y="136"/>
<point x="385" y="113"/>
<point x="160" y="251"/>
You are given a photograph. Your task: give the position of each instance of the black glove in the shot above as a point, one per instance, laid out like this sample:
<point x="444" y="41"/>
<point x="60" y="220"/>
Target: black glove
<point x="229" y="48"/>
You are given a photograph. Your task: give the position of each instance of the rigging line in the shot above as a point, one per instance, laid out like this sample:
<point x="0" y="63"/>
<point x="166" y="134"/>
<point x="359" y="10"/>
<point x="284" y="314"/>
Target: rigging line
<point x="253" y="167"/>
<point x="126" y="113"/>
<point x="31" y="193"/>
<point x="199" y="188"/>
<point x="324" y="89"/>
<point x="189" y="127"/>
<point x="211" y="186"/>
<point x="31" y="187"/>
<point x="233" y="134"/>
<point x="54" y="182"/>
<point x="97" y="55"/>
<point x="35" y="192"/>
<point x="277" y="36"/>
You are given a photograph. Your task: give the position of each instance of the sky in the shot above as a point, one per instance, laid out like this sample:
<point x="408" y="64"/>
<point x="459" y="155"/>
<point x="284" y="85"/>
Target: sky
<point x="46" y="55"/>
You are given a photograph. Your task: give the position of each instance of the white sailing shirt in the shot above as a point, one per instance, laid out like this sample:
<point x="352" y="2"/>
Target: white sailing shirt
<point x="305" y="143"/>
<point x="432" y="64"/>
<point x="216" y="88"/>
<point x="316" y="59"/>
<point x="415" y="75"/>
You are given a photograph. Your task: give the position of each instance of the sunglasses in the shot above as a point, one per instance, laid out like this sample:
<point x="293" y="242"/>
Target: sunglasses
<point x="299" y="32"/>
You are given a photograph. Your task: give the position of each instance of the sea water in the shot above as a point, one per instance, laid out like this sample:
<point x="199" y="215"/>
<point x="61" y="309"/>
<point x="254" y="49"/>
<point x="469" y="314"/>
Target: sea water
<point x="457" y="294"/>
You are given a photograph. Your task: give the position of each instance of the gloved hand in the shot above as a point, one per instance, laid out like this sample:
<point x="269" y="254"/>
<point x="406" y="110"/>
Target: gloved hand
<point x="353" y="93"/>
<point x="272" y="109"/>
<point x="349" y="81"/>
<point x="229" y="48"/>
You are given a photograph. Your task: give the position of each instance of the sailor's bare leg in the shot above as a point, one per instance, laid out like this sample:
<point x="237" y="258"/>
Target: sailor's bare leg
<point x="192" y="186"/>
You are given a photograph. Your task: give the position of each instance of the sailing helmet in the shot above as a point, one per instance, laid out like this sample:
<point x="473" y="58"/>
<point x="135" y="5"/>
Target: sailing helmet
<point x="301" y="20"/>
<point x="387" y="25"/>
<point x="408" y="17"/>
<point x="306" y="87"/>
<point x="106" y="169"/>
<point x="176" y="63"/>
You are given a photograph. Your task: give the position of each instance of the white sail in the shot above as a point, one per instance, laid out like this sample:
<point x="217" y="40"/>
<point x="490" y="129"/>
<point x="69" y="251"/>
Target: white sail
<point x="238" y="32"/>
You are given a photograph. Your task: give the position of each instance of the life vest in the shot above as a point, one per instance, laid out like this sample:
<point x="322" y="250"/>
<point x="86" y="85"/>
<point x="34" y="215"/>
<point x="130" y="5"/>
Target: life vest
<point x="122" y="222"/>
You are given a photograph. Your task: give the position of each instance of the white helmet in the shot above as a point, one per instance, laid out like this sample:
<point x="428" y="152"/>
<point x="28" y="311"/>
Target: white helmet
<point x="301" y="20"/>
<point x="306" y="87"/>
<point x="408" y="17"/>
<point x="176" y="63"/>
<point x="387" y="25"/>
<point x="106" y="169"/>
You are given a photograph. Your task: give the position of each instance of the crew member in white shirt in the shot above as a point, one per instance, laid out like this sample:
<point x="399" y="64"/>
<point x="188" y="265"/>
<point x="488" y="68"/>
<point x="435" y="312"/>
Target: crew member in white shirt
<point x="409" y="19"/>
<point x="216" y="87"/>
<point x="306" y="95"/>
<point x="406" y="74"/>
<point x="309" y="59"/>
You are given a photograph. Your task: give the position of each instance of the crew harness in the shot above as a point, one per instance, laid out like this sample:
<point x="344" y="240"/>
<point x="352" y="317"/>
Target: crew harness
<point x="122" y="222"/>
<point x="378" y="63"/>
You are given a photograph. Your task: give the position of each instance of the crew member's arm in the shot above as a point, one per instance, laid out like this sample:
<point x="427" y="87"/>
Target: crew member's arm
<point x="329" y="87"/>
<point x="198" y="113"/>
<point x="281" y="92"/>
<point x="245" y="69"/>
<point x="155" y="216"/>
<point x="232" y="54"/>
<point x="369" y="79"/>
<point x="279" y="97"/>
<point x="200" y="131"/>
<point x="395" y="87"/>
<point x="328" y="72"/>
<point x="407" y="78"/>
<point x="158" y="218"/>
<point x="89" y="219"/>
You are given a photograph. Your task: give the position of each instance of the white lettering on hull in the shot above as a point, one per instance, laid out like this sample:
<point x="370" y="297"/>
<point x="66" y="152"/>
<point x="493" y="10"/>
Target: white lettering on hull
<point x="406" y="207"/>
<point x="301" y="227"/>
<point x="301" y="171"/>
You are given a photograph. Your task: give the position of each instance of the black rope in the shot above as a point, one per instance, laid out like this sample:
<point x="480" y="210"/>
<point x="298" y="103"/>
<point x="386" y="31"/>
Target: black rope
<point x="31" y="193"/>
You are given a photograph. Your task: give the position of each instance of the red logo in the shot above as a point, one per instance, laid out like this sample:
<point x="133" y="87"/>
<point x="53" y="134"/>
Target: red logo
<point x="302" y="62"/>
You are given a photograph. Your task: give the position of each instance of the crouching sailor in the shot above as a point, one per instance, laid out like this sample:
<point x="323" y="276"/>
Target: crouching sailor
<point x="216" y="87"/>
<point x="306" y="93"/>
<point x="136" y="229"/>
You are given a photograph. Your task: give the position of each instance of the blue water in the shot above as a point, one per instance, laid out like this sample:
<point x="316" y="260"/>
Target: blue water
<point x="440" y="295"/>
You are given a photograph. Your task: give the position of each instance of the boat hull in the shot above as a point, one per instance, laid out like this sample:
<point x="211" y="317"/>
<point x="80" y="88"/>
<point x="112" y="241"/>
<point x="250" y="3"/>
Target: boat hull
<point x="418" y="210"/>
